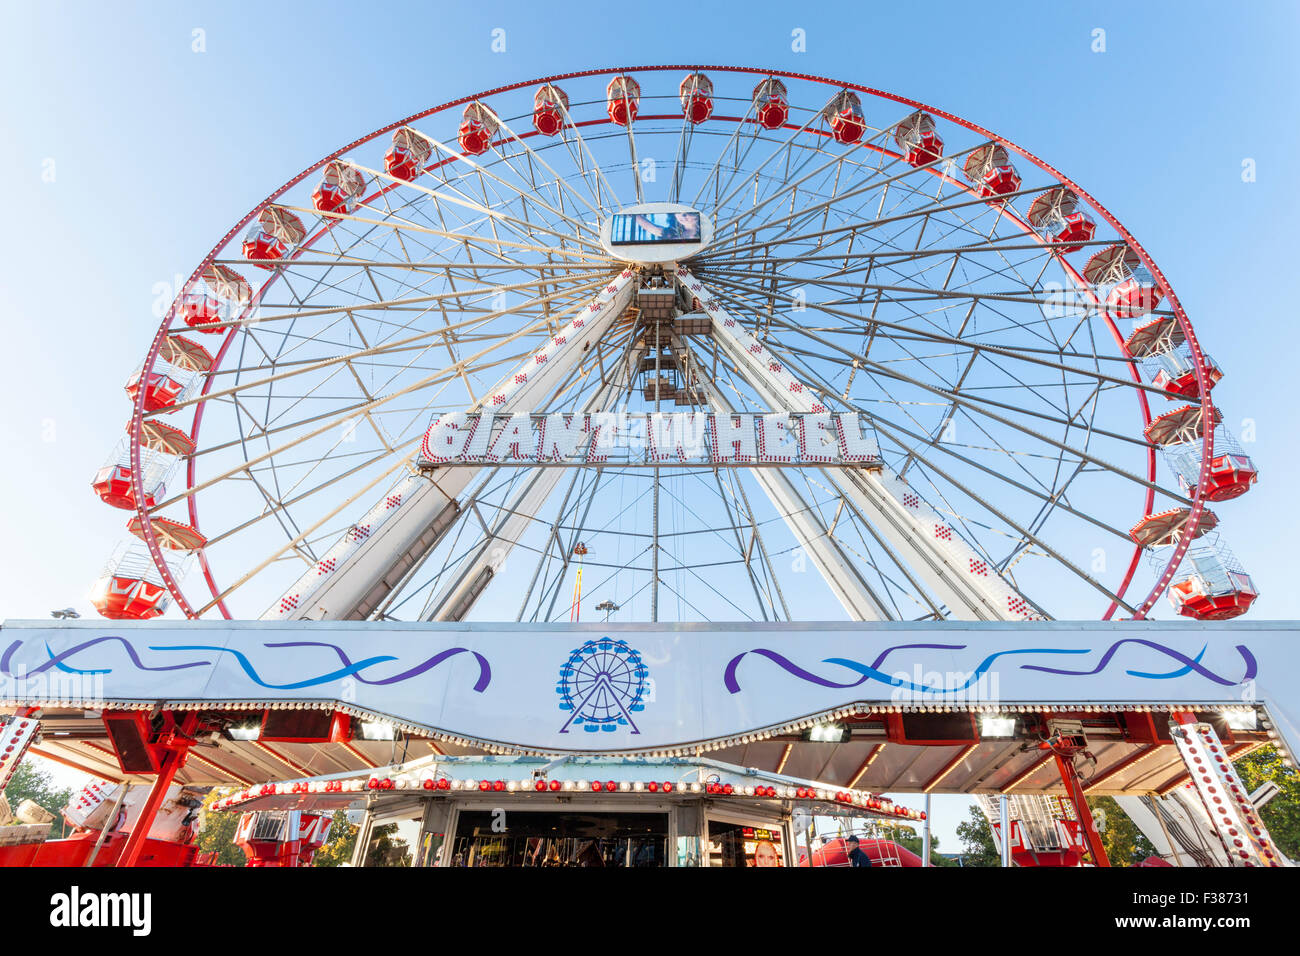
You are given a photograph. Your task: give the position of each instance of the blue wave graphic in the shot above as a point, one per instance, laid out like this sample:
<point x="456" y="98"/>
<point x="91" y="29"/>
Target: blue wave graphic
<point x="57" y="660"/>
<point x="1189" y="664"/>
<point x="349" y="667"/>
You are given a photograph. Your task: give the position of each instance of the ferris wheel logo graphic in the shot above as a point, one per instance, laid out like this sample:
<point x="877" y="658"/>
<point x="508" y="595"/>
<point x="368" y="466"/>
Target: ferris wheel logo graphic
<point x="602" y="684"/>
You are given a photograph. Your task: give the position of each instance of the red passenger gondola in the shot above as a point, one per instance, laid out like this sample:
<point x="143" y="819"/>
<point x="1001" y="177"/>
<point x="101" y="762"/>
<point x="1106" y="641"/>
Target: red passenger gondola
<point x="217" y="297"/>
<point x="275" y="234"/>
<point x="550" y="106"/>
<point x="1230" y="476"/>
<point x="844" y="116"/>
<point x="771" y="103"/>
<point x="1212" y="585"/>
<point x="163" y="447"/>
<point x="1162" y="346"/>
<point x="1177" y="376"/>
<point x="130" y="587"/>
<point x="478" y="125"/>
<point x="1056" y="216"/>
<point x="172" y="375"/>
<point x="1130" y="290"/>
<point x="696" y="93"/>
<point x="340" y="187"/>
<point x="917" y="139"/>
<point x="113" y="484"/>
<point x="408" y="154"/>
<point x="623" y="99"/>
<point x="1179" y="434"/>
<point x="990" y="168"/>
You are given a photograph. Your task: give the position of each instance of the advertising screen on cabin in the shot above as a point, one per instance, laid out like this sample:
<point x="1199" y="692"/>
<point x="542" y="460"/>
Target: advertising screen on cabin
<point x="644" y="228"/>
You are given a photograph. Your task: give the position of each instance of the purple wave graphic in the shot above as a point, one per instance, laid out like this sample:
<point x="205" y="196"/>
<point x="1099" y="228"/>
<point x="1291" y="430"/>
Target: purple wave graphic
<point x="872" y="671"/>
<point x="733" y="686"/>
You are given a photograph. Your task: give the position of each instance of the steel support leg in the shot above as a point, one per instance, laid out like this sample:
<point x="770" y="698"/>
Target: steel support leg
<point x="1074" y="788"/>
<point x="177" y="750"/>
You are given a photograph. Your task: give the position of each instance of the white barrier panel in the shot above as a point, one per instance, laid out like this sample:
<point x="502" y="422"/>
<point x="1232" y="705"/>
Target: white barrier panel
<point x="638" y="688"/>
<point x="649" y="439"/>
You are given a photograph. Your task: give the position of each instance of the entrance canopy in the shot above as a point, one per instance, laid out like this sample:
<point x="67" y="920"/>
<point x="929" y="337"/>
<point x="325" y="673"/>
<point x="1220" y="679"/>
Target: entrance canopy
<point x="933" y="707"/>
<point x="567" y="778"/>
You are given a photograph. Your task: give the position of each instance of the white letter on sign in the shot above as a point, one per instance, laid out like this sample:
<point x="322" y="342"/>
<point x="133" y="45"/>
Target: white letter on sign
<point x="516" y="440"/>
<point x="604" y="435"/>
<point x="446" y="438"/>
<point x="561" y="436"/>
<point x="817" y="438"/>
<point x="733" y="438"/>
<point x="772" y="437"/>
<point x="663" y="436"/>
<point x="853" y="447"/>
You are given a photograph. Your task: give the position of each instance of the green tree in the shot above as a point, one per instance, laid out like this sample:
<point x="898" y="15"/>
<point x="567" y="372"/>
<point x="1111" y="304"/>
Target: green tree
<point x="1281" y="815"/>
<point x="1124" y="843"/>
<point x="909" y="839"/>
<point x="31" y="783"/>
<point x="977" y="841"/>
<point x="217" y="831"/>
<point x="337" y="850"/>
<point x="384" y="850"/>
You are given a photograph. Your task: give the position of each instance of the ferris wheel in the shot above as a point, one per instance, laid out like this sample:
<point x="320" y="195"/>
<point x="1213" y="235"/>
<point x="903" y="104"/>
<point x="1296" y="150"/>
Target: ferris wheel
<point x="601" y="685"/>
<point x="677" y="239"/>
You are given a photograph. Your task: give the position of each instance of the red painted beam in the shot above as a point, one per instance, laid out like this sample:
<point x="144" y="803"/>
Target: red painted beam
<point x="176" y="751"/>
<point x="1072" y="786"/>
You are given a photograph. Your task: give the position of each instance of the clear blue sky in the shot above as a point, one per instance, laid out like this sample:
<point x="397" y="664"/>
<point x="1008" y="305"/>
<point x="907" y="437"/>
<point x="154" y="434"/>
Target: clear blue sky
<point x="156" y="150"/>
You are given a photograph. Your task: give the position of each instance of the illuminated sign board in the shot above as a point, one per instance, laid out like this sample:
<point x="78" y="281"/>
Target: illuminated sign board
<point x="656" y="233"/>
<point x="643" y="228"/>
<point x="650" y="439"/>
<point x="496" y="683"/>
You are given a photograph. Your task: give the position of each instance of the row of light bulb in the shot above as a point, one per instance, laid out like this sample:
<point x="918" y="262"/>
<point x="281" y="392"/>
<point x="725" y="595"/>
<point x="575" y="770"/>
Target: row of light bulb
<point x="428" y="782"/>
<point x="762" y="735"/>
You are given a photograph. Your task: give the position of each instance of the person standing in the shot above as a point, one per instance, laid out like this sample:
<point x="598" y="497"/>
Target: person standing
<point x="856" y="856"/>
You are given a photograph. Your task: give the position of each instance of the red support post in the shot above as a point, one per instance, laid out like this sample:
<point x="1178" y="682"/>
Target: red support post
<point x="1074" y="788"/>
<point x="177" y="745"/>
